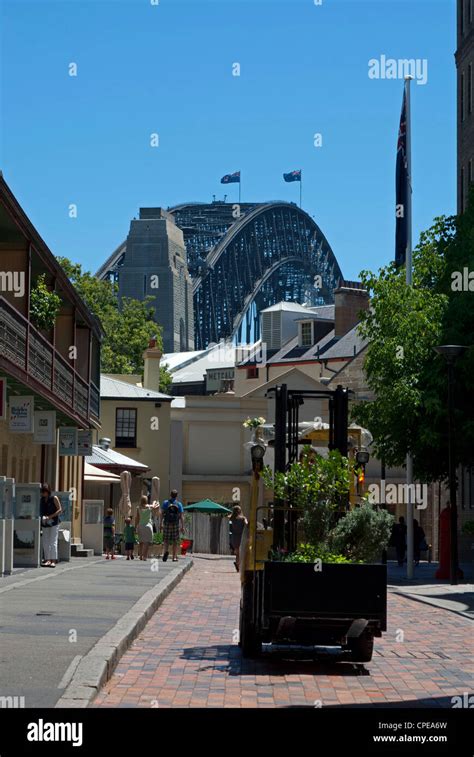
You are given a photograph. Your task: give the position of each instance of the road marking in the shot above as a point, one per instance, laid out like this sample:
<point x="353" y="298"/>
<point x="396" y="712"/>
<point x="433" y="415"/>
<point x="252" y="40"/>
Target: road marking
<point x="70" y="672"/>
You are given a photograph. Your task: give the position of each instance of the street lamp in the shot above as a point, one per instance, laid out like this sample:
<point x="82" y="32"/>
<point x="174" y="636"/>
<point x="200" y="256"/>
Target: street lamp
<point x="362" y="456"/>
<point x="451" y="352"/>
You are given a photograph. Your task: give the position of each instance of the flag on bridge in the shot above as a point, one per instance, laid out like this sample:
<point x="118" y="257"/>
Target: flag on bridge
<point x="292" y="176"/>
<point x="402" y="189"/>
<point x="231" y="178"/>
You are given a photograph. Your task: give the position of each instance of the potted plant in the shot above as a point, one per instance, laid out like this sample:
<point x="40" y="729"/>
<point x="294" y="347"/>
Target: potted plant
<point x="331" y="589"/>
<point x="256" y="425"/>
<point x="156" y="548"/>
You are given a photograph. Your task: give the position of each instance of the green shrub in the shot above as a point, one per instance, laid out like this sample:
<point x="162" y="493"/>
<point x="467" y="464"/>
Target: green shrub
<point x="307" y="553"/>
<point x="316" y="486"/>
<point x="44" y="305"/>
<point x="158" y="538"/>
<point x="362" y="533"/>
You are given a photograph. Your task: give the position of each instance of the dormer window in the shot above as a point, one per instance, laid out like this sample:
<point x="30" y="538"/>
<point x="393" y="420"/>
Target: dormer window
<point x="306" y="334"/>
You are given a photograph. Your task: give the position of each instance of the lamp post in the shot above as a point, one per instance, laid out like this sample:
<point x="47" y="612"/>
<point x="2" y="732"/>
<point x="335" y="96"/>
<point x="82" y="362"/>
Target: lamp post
<point x="451" y="352"/>
<point x="362" y="458"/>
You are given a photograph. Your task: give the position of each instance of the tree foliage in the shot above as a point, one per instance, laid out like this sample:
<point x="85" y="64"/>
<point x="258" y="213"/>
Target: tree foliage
<point x="44" y="304"/>
<point x="408" y="378"/>
<point x="127" y="328"/>
<point x="315" y="485"/>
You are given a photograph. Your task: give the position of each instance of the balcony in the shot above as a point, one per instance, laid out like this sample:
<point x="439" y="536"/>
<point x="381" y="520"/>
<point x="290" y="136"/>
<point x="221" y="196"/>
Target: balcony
<point x="27" y="350"/>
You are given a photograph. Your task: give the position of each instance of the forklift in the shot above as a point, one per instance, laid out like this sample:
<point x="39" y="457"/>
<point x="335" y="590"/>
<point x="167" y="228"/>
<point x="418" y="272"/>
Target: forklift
<point x="294" y="607"/>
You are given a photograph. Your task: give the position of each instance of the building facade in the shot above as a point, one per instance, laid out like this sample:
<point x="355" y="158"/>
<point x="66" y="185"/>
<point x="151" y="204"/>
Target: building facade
<point x="58" y="365"/>
<point x="465" y="116"/>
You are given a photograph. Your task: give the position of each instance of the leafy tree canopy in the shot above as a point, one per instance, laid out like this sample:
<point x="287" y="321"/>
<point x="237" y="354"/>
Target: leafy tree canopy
<point x="403" y="326"/>
<point x="127" y="330"/>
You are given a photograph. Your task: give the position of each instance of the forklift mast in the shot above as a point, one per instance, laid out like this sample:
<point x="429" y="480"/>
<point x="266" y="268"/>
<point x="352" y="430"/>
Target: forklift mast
<point x="287" y="404"/>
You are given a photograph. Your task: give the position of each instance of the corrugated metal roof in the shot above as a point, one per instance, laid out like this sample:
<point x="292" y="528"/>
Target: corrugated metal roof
<point x="115" y="389"/>
<point x="109" y="458"/>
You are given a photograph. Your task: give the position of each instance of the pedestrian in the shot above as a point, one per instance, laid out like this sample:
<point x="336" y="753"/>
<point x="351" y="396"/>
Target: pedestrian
<point x="109" y="534"/>
<point x="237" y="522"/>
<point x="50" y="510"/>
<point x="129" y="538"/>
<point x="144" y="526"/>
<point x="398" y="539"/>
<point x="419" y="541"/>
<point x="171" y="523"/>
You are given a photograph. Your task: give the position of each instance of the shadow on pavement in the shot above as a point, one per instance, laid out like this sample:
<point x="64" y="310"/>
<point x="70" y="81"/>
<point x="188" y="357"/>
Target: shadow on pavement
<point x="229" y="659"/>
<point x="419" y="704"/>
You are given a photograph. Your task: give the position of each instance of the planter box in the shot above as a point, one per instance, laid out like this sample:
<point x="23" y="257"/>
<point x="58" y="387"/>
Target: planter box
<point x="336" y="591"/>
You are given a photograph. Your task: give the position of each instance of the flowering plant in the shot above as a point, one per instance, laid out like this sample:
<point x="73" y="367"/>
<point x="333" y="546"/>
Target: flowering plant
<point x="253" y="422"/>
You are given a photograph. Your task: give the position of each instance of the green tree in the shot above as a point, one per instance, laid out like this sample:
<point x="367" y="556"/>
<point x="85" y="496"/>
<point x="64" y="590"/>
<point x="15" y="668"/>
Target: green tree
<point x="408" y="378"/>
<point x="44" y="304"/>
<point x="316" y="486"/>
<point x="127" y="330"/>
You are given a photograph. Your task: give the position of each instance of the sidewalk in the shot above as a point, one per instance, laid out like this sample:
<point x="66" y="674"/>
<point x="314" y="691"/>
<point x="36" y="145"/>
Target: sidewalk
<point x="426" y="588"/>
<point x="51" y="618"/>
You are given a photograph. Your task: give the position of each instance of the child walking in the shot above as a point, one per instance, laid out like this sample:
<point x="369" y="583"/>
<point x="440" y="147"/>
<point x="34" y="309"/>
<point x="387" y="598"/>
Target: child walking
<point x="129" y="538"/>
<point x="109" y="534"/>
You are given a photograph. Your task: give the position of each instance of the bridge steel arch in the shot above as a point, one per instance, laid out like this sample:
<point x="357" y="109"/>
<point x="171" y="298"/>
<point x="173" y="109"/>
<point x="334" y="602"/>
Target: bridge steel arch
<point x="271" y="253"/>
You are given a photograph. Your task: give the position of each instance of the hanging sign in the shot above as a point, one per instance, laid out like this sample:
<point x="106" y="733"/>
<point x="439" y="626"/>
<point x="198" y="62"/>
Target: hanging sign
<point x="67" y="444"/>
<point x="21" y="414"/>
<point x="3" y="398"/>
<point x="45" y="427"/>
<point x="84" y="442"/>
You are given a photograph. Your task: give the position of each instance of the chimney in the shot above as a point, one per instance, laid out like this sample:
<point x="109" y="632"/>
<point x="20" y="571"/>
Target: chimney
<point x="104" y="443"/>
<point x="349" y="299"/>
<point x="151" y="359"/>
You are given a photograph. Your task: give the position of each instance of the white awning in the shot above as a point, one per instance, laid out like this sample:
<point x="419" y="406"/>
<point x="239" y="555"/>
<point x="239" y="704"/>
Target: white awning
<point x="97" y="476"/>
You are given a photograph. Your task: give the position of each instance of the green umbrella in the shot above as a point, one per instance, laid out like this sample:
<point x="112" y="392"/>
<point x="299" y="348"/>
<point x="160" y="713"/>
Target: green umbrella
<point x="206" y="506"/>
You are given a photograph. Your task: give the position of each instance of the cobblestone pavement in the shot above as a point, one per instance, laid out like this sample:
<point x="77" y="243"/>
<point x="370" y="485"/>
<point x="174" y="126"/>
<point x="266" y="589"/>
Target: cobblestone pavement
<point x="188" y="656"/>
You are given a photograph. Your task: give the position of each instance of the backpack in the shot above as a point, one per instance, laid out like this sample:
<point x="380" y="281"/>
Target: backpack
<point x="171" y="516"/>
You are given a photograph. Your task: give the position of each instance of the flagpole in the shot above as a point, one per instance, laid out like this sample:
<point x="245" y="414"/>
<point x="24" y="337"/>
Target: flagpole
<point x="240" y="183"/>
<point x="301" y="182"/>
<point x="409" y="282"/>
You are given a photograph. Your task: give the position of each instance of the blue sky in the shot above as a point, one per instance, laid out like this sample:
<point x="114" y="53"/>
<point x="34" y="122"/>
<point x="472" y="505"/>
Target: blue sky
<point x="167" y="68"/>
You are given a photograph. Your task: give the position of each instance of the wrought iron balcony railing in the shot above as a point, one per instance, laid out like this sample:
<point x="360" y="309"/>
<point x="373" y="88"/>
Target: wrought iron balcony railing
<point x="28" y="350"/>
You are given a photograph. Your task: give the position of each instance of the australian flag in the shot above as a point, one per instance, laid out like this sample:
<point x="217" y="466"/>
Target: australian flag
<point x="231" y="178"/>
<point x="402" y="189"/>
<point x="292" y="176"/>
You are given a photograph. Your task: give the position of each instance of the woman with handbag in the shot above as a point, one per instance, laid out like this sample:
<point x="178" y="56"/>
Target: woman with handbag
<point x="144" y="526"/>
<point x="50" y="510"/>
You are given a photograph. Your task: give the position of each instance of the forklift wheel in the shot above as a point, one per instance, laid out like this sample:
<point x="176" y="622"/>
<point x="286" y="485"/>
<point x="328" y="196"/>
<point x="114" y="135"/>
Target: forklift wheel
<point x="249" y="642"/>
<point x="361" y="648"/>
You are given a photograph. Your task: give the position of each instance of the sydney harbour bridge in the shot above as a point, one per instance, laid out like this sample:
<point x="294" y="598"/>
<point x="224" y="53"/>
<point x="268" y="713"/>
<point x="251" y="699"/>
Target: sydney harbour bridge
<point x="243" y="258"/>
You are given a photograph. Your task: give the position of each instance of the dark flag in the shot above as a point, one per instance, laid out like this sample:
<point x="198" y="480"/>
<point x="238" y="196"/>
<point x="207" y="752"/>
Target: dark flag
<point x="292" y="176"/>
<point x="402" y="189"/>
<point x="231" y="178"/>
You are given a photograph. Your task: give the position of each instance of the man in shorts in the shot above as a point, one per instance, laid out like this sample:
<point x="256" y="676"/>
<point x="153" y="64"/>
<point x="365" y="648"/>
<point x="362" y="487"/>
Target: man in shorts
<point x="171" y="523"/>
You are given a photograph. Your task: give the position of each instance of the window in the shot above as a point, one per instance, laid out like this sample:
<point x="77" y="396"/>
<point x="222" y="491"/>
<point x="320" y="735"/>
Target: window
<point x="462" y="97"/>
<point x="461" y="13"/>
<point x="469" y="174"/>
<point x="125" y="427"/>
<point x="470" y="11"/>
<point x="461" y="191"/>
<point x="469" y="89"/>
<point x="252" y="373"/>
<point x="307" y="334"/>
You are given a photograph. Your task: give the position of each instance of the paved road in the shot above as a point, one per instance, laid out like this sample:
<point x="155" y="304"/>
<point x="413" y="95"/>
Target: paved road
<point x="187" y="656"/>
<point x="50" y="618"/>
